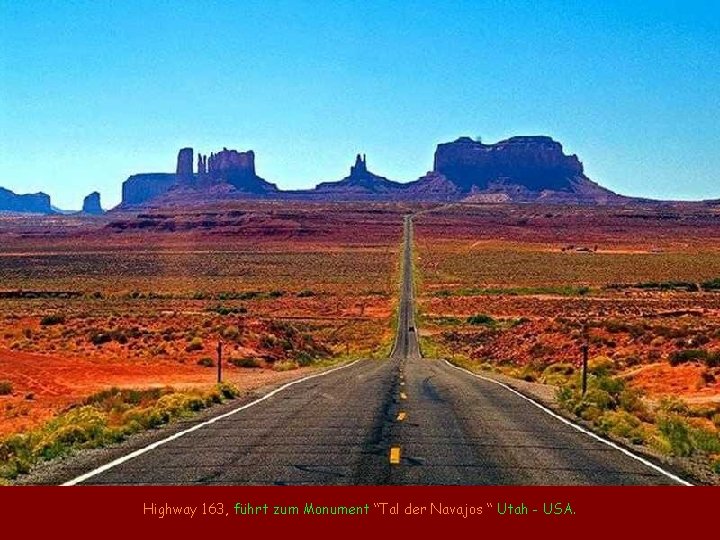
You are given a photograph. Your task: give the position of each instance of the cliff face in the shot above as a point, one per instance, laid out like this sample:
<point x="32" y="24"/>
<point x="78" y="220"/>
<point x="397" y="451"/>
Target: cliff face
<point x="38" y="203"/>
<point x="520" y="169"/>
<point x="91" y="205"/>
<point x="537" y="163"/>
<point x="225" y="174"/>
<point x="237" y="169"/>
<point x="141" y="188"/>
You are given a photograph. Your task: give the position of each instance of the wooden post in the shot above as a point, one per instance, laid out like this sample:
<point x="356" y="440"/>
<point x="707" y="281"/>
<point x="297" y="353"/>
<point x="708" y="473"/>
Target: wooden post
<point x="219" y="362"/>
<point x="584" y="367"/>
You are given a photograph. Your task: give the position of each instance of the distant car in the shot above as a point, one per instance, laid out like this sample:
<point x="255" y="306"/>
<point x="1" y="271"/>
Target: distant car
<point x="411" y="329"/>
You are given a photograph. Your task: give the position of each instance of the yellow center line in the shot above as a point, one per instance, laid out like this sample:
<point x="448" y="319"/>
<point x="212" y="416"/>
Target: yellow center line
<point x="403" y="395"/>
<point x="402" y="415"/>
<point x="395" y="455"/>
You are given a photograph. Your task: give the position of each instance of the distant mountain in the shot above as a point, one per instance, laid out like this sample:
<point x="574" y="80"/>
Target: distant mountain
<point x="38" y="203"/>
<point x="519" y="169"/>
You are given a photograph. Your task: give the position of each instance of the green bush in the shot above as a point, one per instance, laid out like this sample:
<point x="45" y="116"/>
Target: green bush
<point x="709" y="358"/>
<point x="602" y="366"/>
<point x="231" y="332"/>
<point x="196" y="344"/>
<point x="6" y="388"/>
<point x="558" y="373"/>
<point x="105" y="417"/>
<point x="622" y="424"/>
<point x="305" y="293"/>
<point x="304" y="359"/>
<point x="206" y="361"/>
<point x="246" y="362"/>
<point x="480" y="319"/>
<point x="228" y="391"/>
<point x="51" y="320"/>
<point x="284" y="365"/>
<point x="676" y="432"/>
<point x="98" y="338"/>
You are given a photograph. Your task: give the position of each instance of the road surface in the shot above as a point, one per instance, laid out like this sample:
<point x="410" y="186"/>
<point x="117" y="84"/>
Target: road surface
<point x="404" y="420"/>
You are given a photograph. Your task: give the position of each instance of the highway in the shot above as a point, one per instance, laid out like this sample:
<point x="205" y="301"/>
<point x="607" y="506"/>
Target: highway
<point x="403" y="420"/>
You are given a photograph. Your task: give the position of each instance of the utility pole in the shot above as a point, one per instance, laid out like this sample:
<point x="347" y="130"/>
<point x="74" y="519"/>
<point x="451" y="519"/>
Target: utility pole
<point x="584" y="367"/>
<point x="219" y="362"/>
<point x="585" y="348"/>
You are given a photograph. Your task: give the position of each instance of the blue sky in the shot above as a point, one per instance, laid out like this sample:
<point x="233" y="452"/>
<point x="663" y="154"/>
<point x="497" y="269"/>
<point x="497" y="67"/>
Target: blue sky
<point x="93" y="91"/>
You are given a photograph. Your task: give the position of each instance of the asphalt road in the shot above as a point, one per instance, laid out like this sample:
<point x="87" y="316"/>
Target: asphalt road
<point x="404" y="420"/>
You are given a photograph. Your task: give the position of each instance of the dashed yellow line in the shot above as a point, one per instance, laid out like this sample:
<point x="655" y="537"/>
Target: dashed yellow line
<point x="395" y="455"/>
<point x="403" y="395"/>
<point x="402" y="415"/>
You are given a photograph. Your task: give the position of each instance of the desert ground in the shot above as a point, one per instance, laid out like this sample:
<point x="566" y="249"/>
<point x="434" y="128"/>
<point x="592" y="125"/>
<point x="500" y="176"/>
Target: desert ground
<point x="94" y="308"/>
<point x="521" y="289"/>
<point x="142" y="300"/>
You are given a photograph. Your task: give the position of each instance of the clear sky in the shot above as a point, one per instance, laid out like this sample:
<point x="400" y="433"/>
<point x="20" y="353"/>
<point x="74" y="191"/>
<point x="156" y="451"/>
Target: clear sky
<point x="93" y="91"/>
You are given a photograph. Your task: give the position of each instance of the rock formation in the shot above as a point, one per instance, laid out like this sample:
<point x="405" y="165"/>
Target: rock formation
<point x="38" y="203"/>
<point x="521" y="169"/>
<point x="237" y="169"/>
<point x="141" y="188"/>
<point x="225" y="174"/>
<point x="184" y="170"/>
<point x="91" y="205"/>
<point x="360" y="184"/>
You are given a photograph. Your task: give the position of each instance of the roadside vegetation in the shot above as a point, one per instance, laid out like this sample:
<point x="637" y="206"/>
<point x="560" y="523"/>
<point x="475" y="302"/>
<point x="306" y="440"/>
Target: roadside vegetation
<point x="104" y="418"/>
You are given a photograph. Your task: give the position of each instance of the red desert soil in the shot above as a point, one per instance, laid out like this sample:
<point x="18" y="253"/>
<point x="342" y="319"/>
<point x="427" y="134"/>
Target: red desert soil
<point x="52" y="383"/>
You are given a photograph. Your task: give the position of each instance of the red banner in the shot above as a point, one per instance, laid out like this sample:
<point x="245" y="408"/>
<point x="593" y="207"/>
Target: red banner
<point x="94" y="512"/>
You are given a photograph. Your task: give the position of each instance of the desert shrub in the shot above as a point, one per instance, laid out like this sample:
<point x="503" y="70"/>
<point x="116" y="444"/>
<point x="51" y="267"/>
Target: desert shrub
<point x="304" y="359"/>
<point x="51" y="320"/>
<point x="231" y="332"/>
<point x="246" y="362"/>
<point x="622" y="424"/>
<point x="196" y="344"/>
<point x="228" y="391"/>
<point x="105" y="417"/>
<point x="206" y="361"/>
<point x="561" y="368"/>
<point x="305" y="293"/>
<point x="630" y="400"/>
<point x="480" y="319"/>
<point x="602" y="366"/>
<point x="705" y="440"/>
<point x="98" y="338"/>
<point x="284" y="365"/>
<point x="268" y="341"/>
<point x="711" y="285"/>
<point x="6" y="388"/>
<point x="709" y="358"/>
<point x="222" y="310"/>
<point x="676" y="432"/>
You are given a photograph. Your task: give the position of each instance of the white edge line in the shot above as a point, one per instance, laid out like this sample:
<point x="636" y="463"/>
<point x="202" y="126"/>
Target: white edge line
<point x="156" y="444"/>
<point x="595" y="436"/>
